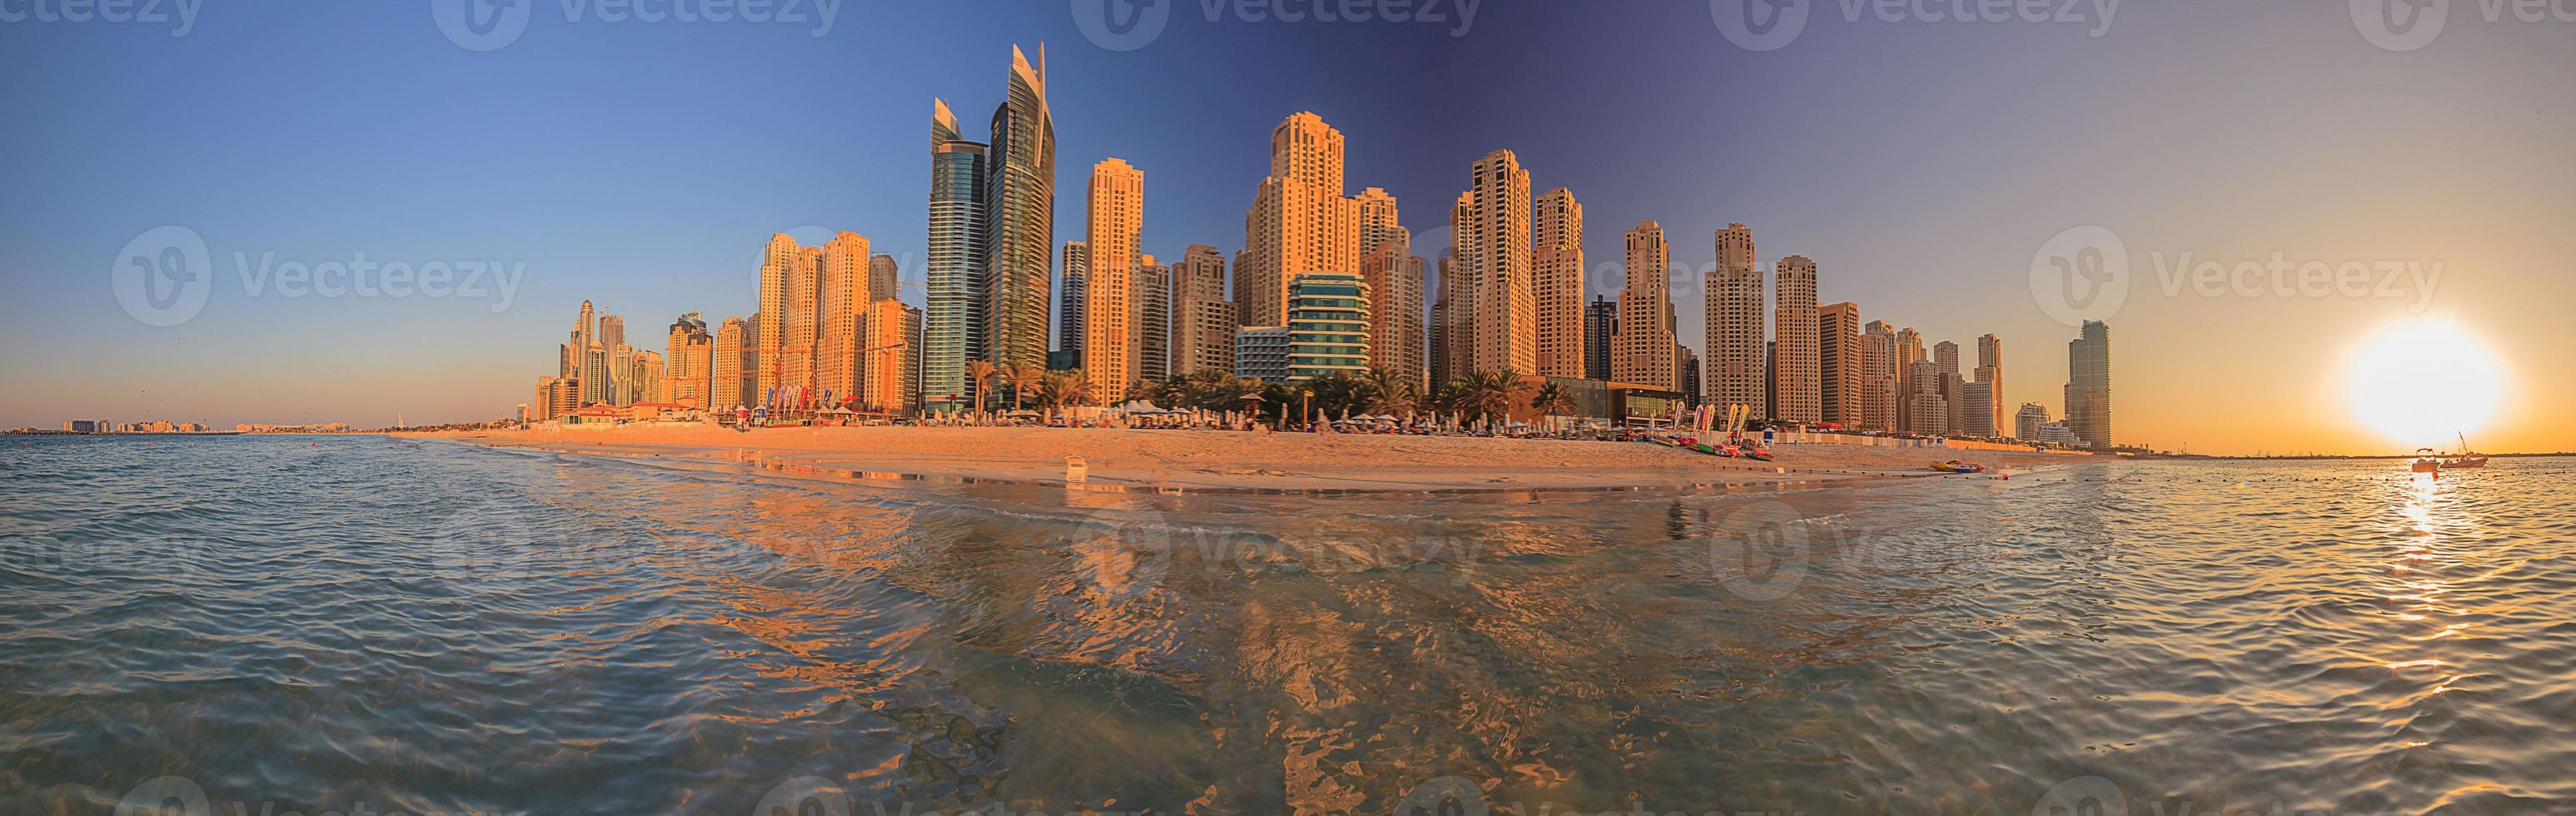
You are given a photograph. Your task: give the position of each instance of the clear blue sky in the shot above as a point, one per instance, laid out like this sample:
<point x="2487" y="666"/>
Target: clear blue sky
<point x="642" y="166"/>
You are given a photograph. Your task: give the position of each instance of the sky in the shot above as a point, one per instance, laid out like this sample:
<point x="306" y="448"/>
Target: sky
<point x="1926" y="157"/>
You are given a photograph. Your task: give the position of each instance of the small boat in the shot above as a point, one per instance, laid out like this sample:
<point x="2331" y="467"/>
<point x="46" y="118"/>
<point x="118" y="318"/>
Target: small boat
<point x="2425" y="463"/>
<point x="1956" y="466"/>
<point x="2466" y="459"/>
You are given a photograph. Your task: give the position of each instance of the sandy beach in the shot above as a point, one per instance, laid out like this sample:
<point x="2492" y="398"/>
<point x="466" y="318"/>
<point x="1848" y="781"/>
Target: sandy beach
<point x="1200" y="460"/>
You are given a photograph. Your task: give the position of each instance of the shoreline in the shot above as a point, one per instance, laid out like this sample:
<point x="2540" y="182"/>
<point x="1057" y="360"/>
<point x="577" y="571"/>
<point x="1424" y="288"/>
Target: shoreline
<point x="1235" y="461"/>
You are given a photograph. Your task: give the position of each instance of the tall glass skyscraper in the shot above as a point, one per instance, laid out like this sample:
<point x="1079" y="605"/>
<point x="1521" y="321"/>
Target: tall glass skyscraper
<point x="957" y="274"/>
<point x="1019" y="218"/>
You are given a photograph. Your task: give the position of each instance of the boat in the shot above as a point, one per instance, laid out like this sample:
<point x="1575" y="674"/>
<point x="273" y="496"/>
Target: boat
<point x="2425" y="463"/>
<point x="2466" y="459"/>
<point x="1956" y="466"/>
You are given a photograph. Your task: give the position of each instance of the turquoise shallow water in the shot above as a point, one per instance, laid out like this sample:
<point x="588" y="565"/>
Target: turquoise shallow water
<point x="348" y="623"/>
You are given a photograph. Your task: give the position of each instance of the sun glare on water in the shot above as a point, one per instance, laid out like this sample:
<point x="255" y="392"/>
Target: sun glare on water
<point x="2424" y="382"/>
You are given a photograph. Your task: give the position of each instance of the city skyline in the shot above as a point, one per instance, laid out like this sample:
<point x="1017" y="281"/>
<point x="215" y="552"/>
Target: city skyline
<point x="2169" y="343"/>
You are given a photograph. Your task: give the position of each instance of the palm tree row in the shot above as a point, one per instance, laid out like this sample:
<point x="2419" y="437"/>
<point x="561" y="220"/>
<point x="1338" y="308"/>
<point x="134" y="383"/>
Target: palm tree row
<point x="1481" y="395"/>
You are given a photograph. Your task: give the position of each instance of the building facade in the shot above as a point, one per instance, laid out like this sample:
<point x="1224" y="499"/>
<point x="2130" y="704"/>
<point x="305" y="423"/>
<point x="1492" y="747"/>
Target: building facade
<point x="1299" y="221"/>
<point x="1736" y="371"/>
<point x="2088" y="385"/>
<point x="1799" y="373"/>
<point x="1505" y="300"/>
<point x="1557" y="273"/>
<point x="1109" y="325"/>
<point x="1328" y="319"/>
<point x="1600" y="331"/>
<point x="1261" y="352"/>
<point x="1838" y="363"/>
<point x="956" y="279"/>
<point x="1019" y="218"/>
<point x="1643" y="352"/>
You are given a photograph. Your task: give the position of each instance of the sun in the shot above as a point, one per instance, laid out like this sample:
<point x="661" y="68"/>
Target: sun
<point x="2422" y="382"/>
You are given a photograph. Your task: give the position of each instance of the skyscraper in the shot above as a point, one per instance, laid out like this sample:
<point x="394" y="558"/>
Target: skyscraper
<point x="1498" y="265"/>
<point x="777" y="284"/>
<point x="882" y="274"/>
<point x="731" y="366"/>
<point x="1945" y="359"/>
<point x="1600" y="329"/>
<point x="1203" y="320"/>
<point x="1800" y="378"/>
<point x="1453" y="348"/>
<point x="1689" y="366"/>
<point x="692" y="350"/>
<point x="1299" y="221"/>
<point x="2026" y="421"/>
<point x="1203" y="339"/>
<point x="1975" y="422"/>
<point x="1990" y="372"/>
<point x="891" y="358"/>
<point x="1838" y="363"/>
<point x="1930" y="411"/>
<point x="953" y="329"/>
<point x="1394" y="277"/>
<point x="1909" y="350"/>
<point x="1378" y="223"/>
<point x="1643" y="353"/>
<point x="1557" y="272"/>
<point x="1153" y="336"/>
<point x="2088" y="385"/>
<point x="1735" y="332"/>
<point x="1019" y="218"/>
<point x="1878" y="378"/>
<point x="1073" y="267"/>
<point x="841" y="309"/>
<point x="1116" y="221"/>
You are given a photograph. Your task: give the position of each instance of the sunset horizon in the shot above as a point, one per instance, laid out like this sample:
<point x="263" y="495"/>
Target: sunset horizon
<point x="1287" y="407"/>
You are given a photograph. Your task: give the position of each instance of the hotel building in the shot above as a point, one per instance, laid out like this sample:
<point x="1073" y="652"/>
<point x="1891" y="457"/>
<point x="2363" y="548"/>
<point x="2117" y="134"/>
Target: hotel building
<point x="1736" y="370"/>
<point x="1838" y="363"/>
<point x="1109" y="307"/>
<point x="1643" y="353"/>
<point x="1798" y="374"/>
<point x="1557" y="271"/>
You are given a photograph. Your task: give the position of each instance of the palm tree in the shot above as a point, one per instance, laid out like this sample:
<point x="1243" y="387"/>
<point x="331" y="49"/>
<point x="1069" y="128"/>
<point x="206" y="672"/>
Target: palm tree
<point x="1024" y="376"/>
<point x="1390" y="391"/>
<point x="1058" y="389"/>
<point x="983" y="371"/>
<point x="1552" y="400"/>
